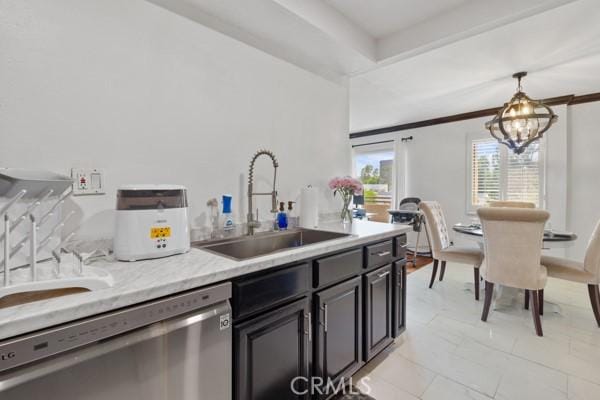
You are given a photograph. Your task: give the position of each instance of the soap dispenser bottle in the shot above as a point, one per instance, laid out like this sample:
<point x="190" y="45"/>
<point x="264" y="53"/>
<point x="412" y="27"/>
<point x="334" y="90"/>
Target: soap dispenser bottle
<point x="227" y="217"/>
<point x="282" y="218"/>
<point x="291" y="216"/>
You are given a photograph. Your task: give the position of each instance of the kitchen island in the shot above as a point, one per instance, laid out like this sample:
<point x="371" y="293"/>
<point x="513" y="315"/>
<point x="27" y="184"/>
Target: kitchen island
<point x="319" y="311"/>
<point x="137" y="282"/>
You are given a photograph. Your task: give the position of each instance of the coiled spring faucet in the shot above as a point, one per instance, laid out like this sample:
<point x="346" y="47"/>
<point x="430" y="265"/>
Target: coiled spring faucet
<point x="252" y="222"/>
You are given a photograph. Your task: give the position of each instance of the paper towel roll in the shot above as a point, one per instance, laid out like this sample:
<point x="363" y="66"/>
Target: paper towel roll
<point x="309" y="208"/>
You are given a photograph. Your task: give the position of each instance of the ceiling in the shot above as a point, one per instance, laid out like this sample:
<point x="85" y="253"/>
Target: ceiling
<point x="560" y="49"/>
<point x="383" y="17"/>
<point x="409" y="60"/>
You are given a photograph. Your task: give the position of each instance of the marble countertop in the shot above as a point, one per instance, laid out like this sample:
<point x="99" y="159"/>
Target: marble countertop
<point x="137" y="282"/>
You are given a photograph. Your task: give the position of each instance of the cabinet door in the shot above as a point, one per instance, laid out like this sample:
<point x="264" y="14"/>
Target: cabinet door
<point x="339" y="330"/>
<point x="378" y="310"/>
<point x="272" y="350"/>
<point x="399" y="280"/>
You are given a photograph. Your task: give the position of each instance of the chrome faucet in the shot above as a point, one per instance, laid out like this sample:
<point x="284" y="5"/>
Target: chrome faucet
<point x="252" y="222"/>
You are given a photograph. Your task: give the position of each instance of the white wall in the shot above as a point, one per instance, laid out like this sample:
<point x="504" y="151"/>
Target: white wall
<point x="583" y="211"/>
<point x="435" y="167"/>
<point x="152" y="97"/>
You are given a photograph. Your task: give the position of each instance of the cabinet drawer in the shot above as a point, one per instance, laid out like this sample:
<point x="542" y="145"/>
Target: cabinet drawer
<point x="378" y="254"/>
<point x="400" y="243"/>
<point x="337" y="268"/>
<point x="253" y="294"/>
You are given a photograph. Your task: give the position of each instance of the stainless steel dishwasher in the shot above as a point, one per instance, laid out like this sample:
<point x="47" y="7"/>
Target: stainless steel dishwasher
<point x="176" y="348"/>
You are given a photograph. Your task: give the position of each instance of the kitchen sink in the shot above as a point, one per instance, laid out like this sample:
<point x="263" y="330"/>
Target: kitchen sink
<point x="260" y="244"/>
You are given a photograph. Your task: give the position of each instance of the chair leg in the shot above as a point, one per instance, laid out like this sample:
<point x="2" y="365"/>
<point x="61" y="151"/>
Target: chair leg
<point x="541" y="296"/>
<point x="442" y="271"/>
<point x="433" y="273"/>
<point x="595" y="300"/>
<point x="526" y="299"/>
<point x="535" y="311"/>
<point x="489" y="291"/>
<point x="476" y="277"/>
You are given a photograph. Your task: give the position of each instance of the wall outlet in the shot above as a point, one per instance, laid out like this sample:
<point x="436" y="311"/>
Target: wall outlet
<point x="87" y="181"/>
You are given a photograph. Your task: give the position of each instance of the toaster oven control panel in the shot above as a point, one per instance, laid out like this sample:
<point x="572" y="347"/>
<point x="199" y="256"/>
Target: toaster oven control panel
<point x="160" y="232"/>
<point x="159" y="235"/>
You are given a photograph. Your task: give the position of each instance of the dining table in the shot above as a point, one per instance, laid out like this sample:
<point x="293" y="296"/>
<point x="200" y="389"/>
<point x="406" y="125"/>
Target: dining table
<point x="505" y="297"/>
<point x="553" y="239"/>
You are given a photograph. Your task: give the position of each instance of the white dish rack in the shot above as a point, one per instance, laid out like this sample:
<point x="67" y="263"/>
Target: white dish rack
<point x="31" y="215"/>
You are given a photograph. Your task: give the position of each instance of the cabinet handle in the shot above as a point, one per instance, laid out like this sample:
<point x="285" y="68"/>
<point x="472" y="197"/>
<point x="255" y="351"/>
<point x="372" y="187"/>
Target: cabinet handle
<point x="309" y="333"/>
<point x="401" y="279"/>
<point x="324" y="309"/>
<point x="383" y="253"/>
<point x="383" y="274"/>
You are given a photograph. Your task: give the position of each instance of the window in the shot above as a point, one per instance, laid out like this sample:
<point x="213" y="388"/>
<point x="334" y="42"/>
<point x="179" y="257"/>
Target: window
<point x="374" y="167"/>
<point x="485" y="172"/>
<point x="499" y="174"/>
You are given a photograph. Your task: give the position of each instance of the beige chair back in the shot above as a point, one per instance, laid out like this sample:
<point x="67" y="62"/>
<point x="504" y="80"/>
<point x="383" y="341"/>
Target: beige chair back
<point x="436" y="227"/>
<point x="591" y="262"/>
<point x="513" y="246"/>
<point x="511" y="204"/>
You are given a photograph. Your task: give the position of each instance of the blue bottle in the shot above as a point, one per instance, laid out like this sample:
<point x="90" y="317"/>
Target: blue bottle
<point x="227" y="217"/>
<point x="282" y="218"/>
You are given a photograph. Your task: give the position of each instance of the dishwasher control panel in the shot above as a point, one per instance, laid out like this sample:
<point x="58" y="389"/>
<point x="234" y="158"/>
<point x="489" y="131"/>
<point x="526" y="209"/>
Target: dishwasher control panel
<point x="23" y="350"/>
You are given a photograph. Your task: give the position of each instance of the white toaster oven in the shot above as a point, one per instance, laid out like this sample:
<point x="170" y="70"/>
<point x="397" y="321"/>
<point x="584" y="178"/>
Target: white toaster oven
<point x="152" y="222"/>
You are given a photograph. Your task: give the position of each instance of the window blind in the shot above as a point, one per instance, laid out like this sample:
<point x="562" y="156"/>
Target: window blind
<point x="485" y="177"/>
<point x="499" y="174"/>
<point x="523" y="175"/>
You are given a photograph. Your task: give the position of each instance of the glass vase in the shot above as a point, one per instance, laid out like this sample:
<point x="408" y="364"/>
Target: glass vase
<point x="346" y="214"/>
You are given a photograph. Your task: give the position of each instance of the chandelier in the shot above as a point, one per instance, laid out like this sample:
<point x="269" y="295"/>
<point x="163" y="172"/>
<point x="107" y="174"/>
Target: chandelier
<point x="521" y="121"/>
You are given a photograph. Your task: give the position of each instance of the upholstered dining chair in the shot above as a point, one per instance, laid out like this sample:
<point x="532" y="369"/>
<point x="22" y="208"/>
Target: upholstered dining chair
<point x="586" y="272"/>
<point x="512" y="239"/>
<point x="511" y="204"/>
<point x="441" y="247"/>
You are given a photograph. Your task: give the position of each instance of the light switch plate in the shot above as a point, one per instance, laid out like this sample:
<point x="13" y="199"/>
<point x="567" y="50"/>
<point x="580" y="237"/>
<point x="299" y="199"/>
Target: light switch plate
<point x="88" y="181"/>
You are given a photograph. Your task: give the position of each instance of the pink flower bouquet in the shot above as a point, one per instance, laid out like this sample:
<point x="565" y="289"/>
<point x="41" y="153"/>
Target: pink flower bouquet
<point x="346" y="187"/>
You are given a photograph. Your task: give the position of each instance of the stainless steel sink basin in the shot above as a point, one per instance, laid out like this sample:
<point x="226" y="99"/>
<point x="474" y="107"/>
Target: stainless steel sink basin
<point x="260" y="244"/>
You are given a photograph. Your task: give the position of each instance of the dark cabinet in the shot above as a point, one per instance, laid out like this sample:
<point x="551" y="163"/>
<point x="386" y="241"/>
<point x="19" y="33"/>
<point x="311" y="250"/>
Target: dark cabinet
<point x="338" y="343"/>
<point x="379" y="254"/>
<point x="337" y="268"/>
<point x="255" y="294"/>
<point x="399" y="282"/>
<point x="400" y="245"/>
<point x="272" y="350"/>
<point x="318" y="319"/>
<point x="378" y="310"/>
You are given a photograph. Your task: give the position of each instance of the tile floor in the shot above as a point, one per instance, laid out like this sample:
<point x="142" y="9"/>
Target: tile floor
<point x="448" y="353"/>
